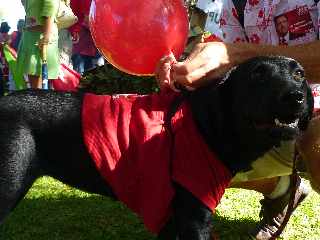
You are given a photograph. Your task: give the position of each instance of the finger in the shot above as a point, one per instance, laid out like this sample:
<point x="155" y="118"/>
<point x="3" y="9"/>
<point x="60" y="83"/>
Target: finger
<point x="172" y="59"/>
<point x="166" y="59"/>
<point x="162" y="72"/>
<point x="159" y="67"/>
<point x="163" y="75"/>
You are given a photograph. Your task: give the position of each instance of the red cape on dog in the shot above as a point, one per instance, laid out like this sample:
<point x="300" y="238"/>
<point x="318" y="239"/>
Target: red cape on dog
<point x="126" y="137"/>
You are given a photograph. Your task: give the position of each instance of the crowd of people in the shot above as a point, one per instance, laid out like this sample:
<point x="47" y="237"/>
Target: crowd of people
<point x="38" y="37"/>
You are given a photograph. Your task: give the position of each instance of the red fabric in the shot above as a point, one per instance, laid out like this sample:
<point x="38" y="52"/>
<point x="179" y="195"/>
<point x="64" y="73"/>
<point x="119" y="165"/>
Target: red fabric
<point x="80" y="9"/>
<point x="13" y="38"/>
<point x="68" y="79"/>
<point x="131" y="148"/>
<point x="212" y="38"/>
<point x="85" y="45"/>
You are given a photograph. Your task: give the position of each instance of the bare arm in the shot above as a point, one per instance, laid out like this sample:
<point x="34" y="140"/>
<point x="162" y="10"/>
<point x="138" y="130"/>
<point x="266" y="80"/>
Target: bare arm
<point x="47" y="29"/>
<point x="48" y="25"/>
<point x="307" y="54"/>
<point x="48" y="13"/>
<point x="210" y="60"/>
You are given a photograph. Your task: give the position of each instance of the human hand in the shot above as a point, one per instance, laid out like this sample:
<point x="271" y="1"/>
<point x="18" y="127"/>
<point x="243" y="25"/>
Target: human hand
<point x="206" y="62"/>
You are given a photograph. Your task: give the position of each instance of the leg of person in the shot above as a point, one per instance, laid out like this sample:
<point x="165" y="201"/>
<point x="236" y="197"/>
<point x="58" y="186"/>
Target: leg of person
<point x="35" y="81"/>
<point x="65" y="47"/>
<point x="309" y="149"/>
<point x="270" y="176"/>
<point x="274" y="208"/>
<point x="98" y="60"/>
<point x="12" y="85"/>
<point x="88" y="62"/>
<point x="77" y="63"/>
<point x="265" y="186"/>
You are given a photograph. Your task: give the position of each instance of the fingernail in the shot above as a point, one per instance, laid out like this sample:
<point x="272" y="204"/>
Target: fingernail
<point x="165" y="82"/>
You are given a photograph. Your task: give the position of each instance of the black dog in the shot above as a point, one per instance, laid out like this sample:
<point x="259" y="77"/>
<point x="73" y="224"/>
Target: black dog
<point x="260" y="103"/>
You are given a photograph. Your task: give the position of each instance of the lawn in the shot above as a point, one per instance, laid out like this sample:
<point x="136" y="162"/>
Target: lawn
<point x="54" y="211"/>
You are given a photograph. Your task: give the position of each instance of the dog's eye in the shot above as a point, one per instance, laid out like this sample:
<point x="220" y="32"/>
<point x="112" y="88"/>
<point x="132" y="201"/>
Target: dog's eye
<point x="298" y="75"/>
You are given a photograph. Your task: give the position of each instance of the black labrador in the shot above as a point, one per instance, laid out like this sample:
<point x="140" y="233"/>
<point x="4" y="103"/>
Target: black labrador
<point x="256" y="106"/>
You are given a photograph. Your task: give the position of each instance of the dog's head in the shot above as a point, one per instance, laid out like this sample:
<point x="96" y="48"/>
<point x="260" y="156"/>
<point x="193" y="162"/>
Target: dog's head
<point x="269" y="96"/>
<point x="260" y="103"/>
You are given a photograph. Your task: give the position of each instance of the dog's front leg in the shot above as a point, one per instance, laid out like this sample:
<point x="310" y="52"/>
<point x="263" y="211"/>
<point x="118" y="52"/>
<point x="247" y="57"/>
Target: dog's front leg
<point x="191" y="219"/>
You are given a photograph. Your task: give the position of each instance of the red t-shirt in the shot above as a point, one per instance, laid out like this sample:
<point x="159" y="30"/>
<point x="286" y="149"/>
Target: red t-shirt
<point x="80" y="9"/>
<point x="126" y="137"/>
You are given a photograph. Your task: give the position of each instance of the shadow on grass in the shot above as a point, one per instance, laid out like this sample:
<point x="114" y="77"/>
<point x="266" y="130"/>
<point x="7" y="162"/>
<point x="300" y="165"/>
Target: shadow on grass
<point x="228" y="229"/>
<point x="94" y="218"/>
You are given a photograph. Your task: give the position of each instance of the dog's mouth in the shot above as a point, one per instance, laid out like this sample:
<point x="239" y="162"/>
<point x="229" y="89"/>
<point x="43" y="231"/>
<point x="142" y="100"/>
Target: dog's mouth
<point x="280" y="124"/>
<point x="291" y="125"/>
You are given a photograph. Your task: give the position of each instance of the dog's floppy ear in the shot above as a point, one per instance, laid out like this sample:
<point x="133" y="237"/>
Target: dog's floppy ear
<point x="304" y="121"/>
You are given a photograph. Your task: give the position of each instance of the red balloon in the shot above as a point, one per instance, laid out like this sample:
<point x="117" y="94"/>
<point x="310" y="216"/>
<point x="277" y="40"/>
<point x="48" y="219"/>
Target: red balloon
<point x="133" y="35"/>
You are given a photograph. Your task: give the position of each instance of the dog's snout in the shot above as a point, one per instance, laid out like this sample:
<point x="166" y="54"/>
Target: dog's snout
<point x="293" y="98"/>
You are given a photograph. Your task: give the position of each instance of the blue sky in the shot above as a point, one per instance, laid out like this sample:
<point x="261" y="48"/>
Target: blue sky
<point x="11" y="11"/>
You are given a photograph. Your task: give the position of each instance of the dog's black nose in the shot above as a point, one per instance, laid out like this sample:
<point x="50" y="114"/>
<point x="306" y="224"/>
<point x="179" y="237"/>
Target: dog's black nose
<point x="293" y="98"/>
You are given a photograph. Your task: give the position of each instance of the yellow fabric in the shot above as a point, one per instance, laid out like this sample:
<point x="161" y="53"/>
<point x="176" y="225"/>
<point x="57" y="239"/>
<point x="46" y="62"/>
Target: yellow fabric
<point x="276" y="162"/>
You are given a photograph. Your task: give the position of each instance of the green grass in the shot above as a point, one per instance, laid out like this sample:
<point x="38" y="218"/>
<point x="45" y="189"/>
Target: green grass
<point x="54" y="211"/>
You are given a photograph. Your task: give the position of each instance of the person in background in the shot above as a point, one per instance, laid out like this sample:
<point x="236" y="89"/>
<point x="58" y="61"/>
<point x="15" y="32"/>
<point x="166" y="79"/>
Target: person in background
<point x="16" y="35"/>
<point x="84" y="50"/>
<point x="4" y="70"/>
<point x="247" y="29"/>
<point x="65" y="44"/>
<point x="15" y="39"/>
<point x="282" y="28"/>
<point x="40" y="34"/>
<point x="4" y="32"/>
